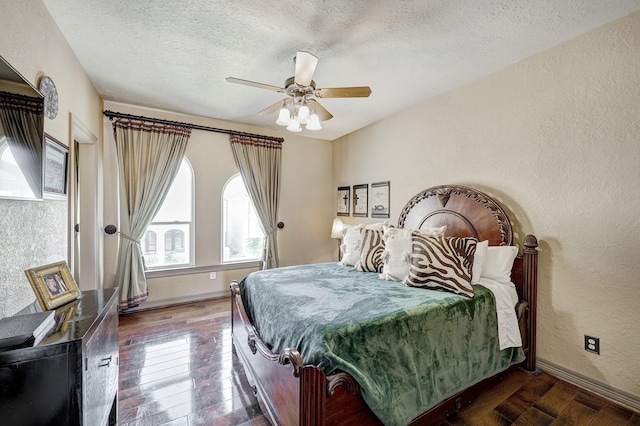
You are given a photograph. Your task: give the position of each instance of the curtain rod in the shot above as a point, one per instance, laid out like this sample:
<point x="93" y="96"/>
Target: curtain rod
<point x="112" y="114"/>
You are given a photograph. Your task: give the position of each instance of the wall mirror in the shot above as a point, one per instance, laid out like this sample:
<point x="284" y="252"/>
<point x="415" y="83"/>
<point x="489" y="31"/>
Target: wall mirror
<point x="21" y="136"/>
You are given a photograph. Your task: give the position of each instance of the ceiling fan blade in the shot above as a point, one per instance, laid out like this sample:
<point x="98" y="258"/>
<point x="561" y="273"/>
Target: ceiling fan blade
<point x="272" y="108"/>
<point x="305" y="67"/>
<point x="255" y="84"/>
<point x="323" y="114"/>
<point x="344" y="92"/>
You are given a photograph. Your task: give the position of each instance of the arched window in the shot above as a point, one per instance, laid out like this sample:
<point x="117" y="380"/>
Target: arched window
<point x="172" y="227"/>
<point x="242" y="236"/>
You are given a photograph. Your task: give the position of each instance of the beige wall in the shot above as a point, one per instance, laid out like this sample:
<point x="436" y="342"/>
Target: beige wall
<point x="555" y="138"/>
<point x="306" y="204"/>
<point x="34" y="233"/>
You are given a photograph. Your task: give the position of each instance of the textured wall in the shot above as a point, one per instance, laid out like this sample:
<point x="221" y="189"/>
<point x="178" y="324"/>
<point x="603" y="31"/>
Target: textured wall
<point x="555" y="138"/>
<point x="32" y="233"/>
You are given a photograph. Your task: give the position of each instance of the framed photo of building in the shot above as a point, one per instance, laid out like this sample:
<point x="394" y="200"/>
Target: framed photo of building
<point x="380" y="199"/>
<point x="56" y="160"/>
<point x="343" y="200"/>
<point x="53" y="285"/>
<point x="360" y="200"/>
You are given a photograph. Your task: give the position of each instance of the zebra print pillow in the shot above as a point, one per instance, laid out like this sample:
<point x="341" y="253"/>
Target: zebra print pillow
<point x="371" y="253"/>
<point x="443" y="263"/>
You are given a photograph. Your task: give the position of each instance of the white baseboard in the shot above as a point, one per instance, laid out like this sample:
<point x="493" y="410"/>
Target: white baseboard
<point x="616" y="395"/>
<point x="179" y="301"/>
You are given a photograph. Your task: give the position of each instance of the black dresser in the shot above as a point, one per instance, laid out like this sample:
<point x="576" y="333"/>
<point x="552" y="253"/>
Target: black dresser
<point x="70" y="377"/>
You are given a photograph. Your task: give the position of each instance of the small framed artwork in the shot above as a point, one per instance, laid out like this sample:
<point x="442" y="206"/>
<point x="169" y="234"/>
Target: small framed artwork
<point x="360" y="200"/>
<point x="380" y="199"/>
<point x="56" y="160"/>
<point x="343" y="200"/>
<point x="53" y="285"/>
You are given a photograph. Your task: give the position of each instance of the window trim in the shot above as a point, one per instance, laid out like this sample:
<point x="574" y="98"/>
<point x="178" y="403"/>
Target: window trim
<point x="192" y="244"/>
<point x="222" y="225"/>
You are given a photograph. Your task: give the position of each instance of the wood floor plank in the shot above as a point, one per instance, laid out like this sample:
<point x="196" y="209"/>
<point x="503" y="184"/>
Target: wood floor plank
<point x="557" y="399"/>
<point x="611" y="414"/>
<point x="533" y="416"/>
<point x="177" y="368"/>
<point x="576" y="413"/>
<point x="493" y="396"/>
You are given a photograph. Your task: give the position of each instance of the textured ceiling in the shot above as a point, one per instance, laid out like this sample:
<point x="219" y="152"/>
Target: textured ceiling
<point x="175" y="55"/>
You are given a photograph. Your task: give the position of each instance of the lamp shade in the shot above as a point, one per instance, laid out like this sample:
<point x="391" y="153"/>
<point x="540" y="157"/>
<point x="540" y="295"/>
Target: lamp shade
<point x="303" y="114"/>
<point x="283" y="117"/>
<point x="336" y="229"/>
<point x="294" y="126"/>
<point x="314" y="122"/>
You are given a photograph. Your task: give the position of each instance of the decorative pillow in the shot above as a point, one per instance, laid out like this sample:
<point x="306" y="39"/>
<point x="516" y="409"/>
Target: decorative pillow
<point x="499" y="263"/>
<point x="397" y="252"/>
<point x="442" y="263"/>
<point x="479" y="260"/>
<point x="371" y="251"/>
<point x="352" y="241"/>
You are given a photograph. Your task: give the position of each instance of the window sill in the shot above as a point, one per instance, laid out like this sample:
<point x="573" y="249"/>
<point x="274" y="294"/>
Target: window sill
<point x="189" y="270"/>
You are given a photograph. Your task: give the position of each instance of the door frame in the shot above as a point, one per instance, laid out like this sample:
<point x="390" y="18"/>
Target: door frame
<point x="91" y="212"/>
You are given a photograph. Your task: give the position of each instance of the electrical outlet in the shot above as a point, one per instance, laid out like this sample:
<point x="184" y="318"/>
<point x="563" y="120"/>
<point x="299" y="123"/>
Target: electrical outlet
<point x="212" y="275"/>
<point x="592" y="344"/>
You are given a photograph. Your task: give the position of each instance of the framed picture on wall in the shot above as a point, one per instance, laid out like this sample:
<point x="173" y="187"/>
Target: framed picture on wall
<point x="343" y="200"/>
<point x="56" y="160"/>
<point x="360" y="200"/>
<point x="380" y="199"/>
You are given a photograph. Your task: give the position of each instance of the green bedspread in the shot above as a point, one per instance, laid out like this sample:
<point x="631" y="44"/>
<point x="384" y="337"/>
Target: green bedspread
<point x="408" y="348"/>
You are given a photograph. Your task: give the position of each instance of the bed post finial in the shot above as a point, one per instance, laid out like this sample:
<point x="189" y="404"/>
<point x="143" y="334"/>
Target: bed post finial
<point x="530" y="287"/>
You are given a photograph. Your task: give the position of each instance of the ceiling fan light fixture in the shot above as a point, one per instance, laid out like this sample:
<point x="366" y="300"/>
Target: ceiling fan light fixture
<point x="294" y="126"/>
<point x="314" y="122"/>
<point x="284" y="119"/>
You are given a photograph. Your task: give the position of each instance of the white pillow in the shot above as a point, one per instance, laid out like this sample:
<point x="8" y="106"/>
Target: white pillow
<point x="499" y="263"/>
<point x="479" y="260"/>
<point x="352" y="241"/>
<point x="397" y="252"/>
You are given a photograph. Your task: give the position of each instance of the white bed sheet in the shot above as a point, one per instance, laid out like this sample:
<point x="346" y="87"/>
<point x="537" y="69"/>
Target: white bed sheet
<point x="506" y="299"/>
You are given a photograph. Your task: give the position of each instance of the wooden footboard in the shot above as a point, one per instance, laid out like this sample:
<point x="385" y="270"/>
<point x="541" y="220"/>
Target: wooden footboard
<point x="291" y="393"/>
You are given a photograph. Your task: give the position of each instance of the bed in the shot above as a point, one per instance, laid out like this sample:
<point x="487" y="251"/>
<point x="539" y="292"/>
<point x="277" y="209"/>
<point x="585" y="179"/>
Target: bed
<point x="296" y="386"/>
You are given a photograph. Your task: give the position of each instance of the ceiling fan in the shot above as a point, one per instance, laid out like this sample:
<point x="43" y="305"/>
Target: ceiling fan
<point x="301" y="106"/>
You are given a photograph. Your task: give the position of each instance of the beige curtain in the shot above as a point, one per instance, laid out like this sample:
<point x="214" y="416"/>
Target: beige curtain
<point x="21" y="121"/>
<point x="259" y="163"/>
<point x="149" y="156"/>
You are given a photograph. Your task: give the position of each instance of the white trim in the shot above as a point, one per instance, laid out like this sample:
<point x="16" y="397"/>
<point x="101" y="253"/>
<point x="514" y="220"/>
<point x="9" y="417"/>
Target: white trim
<point x="616" y="395"/>
<point x="89" y="268"/>
<point x="189" y="270"/>
<point x="180" y="300"/>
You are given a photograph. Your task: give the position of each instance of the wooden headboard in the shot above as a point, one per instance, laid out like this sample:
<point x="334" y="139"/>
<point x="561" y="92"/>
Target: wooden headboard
<point x="468" y="212"/>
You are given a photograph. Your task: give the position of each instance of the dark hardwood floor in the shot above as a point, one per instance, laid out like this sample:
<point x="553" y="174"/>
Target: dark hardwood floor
<point x="177" y="368"/>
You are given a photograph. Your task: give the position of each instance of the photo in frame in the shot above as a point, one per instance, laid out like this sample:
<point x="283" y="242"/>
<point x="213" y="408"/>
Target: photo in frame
<point x="380" y="200"/>
<point x="53" y="285"/>
<point x="56" y="160"/>
<point x="343" y="200"/>
<point x="360" y="200"/>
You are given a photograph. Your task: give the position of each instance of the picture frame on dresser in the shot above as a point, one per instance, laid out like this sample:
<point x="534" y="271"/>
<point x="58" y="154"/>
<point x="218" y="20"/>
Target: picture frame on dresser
<point x="53" y="285"/>
<point x="360" y="200"/>
<point x="56" y="163"/>
<point x="343" y="200"/>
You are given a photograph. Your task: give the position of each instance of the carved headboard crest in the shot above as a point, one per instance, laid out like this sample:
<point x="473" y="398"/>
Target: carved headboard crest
<point x="465" y="211"/>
